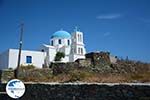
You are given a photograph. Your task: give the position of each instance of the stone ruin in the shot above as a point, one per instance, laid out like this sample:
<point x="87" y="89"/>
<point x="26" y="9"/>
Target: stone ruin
<point x="98" y="60"/>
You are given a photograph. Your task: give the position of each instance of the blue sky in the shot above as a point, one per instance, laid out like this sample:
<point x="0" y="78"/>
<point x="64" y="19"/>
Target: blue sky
<point x="119" y="26"/>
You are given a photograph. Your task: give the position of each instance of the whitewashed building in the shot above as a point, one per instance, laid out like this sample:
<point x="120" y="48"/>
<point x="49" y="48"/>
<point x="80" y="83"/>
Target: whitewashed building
<point x="61" y="41"/>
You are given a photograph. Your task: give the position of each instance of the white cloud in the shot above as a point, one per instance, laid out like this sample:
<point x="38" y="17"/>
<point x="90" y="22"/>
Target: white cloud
<point x="109" y="16"/>
<point x="145" y="20"/>
<point x="107" y="34"/>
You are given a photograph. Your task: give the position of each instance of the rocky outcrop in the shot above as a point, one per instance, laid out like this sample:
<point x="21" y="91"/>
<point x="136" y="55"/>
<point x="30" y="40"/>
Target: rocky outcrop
<point x="100" y="62"/>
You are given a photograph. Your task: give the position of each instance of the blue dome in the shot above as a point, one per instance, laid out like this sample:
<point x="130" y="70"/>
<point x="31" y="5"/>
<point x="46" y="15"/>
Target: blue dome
<point x="61" y="34"/>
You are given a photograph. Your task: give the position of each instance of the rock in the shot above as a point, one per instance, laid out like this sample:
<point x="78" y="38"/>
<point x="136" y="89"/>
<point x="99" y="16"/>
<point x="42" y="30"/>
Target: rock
<point x="6" y="75"/>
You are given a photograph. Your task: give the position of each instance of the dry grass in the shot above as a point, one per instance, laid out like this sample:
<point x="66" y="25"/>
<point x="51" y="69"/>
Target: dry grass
<point x="45" y="75"/>
<point x="90" y="77"/>
<point x="141" y="77"/>
<point x="106" y="78"/>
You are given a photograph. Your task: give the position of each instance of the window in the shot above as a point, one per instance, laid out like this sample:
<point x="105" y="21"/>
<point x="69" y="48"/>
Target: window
<point x="52" y="43"/>
<point x="78" y="50"/>
<point x="74" y="50"/>
<point x="78" y="38"/>
<point x="81" y="50"/>
<point x="59" y="41"/>
<point x="28" y="59"/>
<point x="68" y="42"/>
<point x="42" y="50"/>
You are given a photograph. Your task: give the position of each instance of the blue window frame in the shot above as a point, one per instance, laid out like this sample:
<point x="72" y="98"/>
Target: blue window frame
<point x="28" y="59"/>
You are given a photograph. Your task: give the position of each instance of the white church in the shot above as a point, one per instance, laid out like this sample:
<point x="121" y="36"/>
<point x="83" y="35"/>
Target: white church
<point x="72" y="45"/>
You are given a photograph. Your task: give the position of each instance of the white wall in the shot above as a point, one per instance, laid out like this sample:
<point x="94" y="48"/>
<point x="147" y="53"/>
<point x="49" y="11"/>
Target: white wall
<point x="37" y="58"/>
<point x="52" y="53"/>
<point x="65" y="49"/>
<point x="4" y="60"/>
<point x="65" y="59"/>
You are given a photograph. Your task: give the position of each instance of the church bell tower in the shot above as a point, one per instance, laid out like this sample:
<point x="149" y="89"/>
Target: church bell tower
<point x="77" y="47"/>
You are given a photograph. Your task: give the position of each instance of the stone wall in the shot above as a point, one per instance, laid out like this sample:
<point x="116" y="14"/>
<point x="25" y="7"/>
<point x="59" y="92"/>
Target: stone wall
<point x="99" y="58"/>
<point x="78" y="91"/>
<point x="58" y="68"/>
<point x="27" y="73"/>
<point x="84" y="62"/>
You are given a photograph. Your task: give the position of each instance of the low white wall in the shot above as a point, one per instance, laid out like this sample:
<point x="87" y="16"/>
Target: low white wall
<point x="65" y="59"/>
<point x="78" y="57"/>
